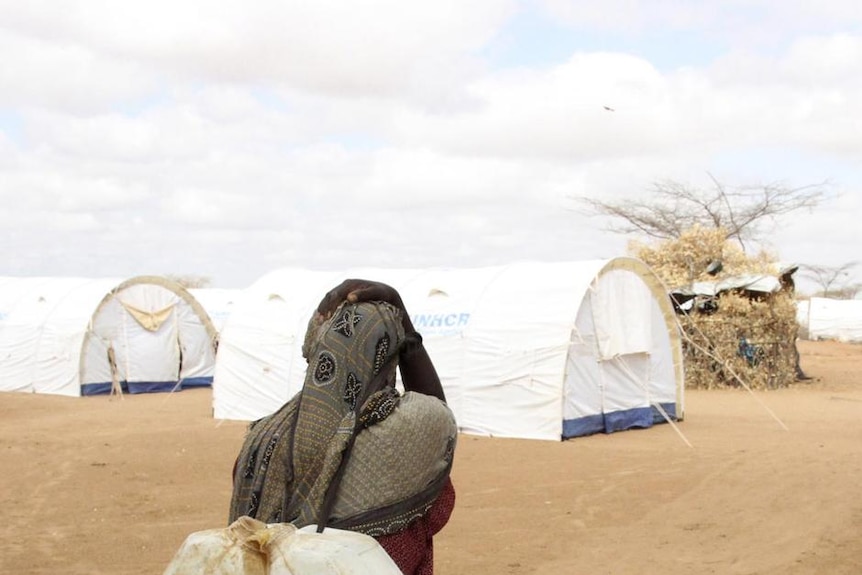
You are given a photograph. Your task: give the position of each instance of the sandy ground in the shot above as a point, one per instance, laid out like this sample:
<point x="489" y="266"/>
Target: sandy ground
<point x="110" y="485"/>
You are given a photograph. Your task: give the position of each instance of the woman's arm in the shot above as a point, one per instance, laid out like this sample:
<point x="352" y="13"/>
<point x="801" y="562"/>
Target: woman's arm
<point x="417" y="370"/>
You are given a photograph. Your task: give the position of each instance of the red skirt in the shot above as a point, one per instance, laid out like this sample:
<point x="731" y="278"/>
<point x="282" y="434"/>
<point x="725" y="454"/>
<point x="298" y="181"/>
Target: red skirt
<point x="413" y="549"/>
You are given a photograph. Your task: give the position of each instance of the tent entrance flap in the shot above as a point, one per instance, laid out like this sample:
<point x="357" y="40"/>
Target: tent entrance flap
<point x="619" y="397"/>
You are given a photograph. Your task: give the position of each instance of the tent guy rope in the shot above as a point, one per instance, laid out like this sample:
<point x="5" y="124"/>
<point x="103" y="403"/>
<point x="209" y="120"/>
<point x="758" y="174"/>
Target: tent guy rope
<point x="730" y="370"/>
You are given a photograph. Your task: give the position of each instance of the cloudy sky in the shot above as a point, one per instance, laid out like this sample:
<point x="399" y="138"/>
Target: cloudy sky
<point x="225" y="139"/>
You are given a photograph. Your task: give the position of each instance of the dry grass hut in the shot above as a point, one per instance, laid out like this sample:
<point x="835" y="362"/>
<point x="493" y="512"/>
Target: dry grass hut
<point x="737" y="313"/>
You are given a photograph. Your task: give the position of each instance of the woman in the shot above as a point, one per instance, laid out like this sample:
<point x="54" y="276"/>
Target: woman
<point x="349" y="451"/>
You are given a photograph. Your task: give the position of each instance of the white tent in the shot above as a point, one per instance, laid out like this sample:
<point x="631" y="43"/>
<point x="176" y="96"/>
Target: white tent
<point x="531" y="350"/>
<point x="42" y="326"/>
<point x="78" y="336"/>
<point x="839" y="319"/>
<point x="802" y="316"/>
<point x="217" y="302"/>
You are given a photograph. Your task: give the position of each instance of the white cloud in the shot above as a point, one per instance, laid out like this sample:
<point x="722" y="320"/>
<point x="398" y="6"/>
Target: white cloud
<point x="375" y="48"/>
<point x="559" y="113"/>
<point x="41" y="72"/>
<point x="631" y="14"/>
<point x="748" y="21"/>
<point x="223" y="139"/>
<point x="804" y="98"/>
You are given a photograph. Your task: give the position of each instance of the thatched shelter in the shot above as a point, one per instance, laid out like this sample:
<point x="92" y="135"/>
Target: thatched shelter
<point x="737" y="313"/>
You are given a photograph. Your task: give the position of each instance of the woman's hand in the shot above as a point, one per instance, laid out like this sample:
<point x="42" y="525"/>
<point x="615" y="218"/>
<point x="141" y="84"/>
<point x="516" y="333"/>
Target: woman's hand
<point x="358" y="290"/>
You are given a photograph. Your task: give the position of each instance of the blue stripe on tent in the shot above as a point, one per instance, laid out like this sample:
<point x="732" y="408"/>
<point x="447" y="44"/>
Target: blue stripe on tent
<point x="203" y="381"/>
<point x="669" y="409"/>
<point x="103" y="388"/>
<point x="581" y="426"/>
<point x="639" y="417"/>
<point x="152" y="386"/>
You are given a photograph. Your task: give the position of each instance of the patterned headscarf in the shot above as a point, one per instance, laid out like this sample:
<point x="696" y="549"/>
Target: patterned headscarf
<point x="347" y="451"/>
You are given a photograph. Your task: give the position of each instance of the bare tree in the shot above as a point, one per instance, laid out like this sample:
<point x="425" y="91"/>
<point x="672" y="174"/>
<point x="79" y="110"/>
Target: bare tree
<point x="849" y="291"/>
<point x="833" y="279"/>
<point x="672" y="207"/>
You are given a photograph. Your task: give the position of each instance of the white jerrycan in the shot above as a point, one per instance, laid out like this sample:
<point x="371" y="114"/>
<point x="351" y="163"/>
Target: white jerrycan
<point x="303" y="551"/>
<point x="251" y="547"/>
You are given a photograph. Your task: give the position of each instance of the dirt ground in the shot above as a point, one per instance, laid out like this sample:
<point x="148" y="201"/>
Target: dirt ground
<point x="110" y="485"/>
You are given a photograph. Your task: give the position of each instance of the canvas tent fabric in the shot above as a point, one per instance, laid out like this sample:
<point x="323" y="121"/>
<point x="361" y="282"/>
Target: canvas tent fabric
<point x="83" y="336"/>
<point x="42" y="326"/>
<point x="542" y="350"/>
<point x="836" y="319"/>
<point x="217" y="303"/>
